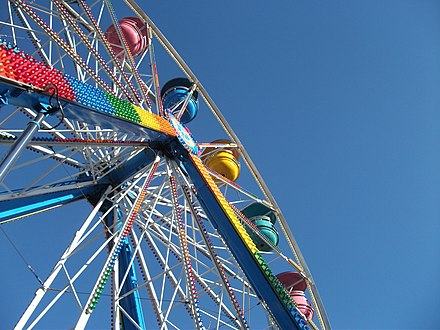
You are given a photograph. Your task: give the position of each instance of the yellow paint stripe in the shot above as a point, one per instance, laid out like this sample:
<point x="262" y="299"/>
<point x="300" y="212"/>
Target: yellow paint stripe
<point x="225" y="205"/>
<point x="155" y="122"/>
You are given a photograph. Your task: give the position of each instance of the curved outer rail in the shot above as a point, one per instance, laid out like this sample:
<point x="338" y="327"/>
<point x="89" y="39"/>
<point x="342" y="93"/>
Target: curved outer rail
<point x="322" y="315"/>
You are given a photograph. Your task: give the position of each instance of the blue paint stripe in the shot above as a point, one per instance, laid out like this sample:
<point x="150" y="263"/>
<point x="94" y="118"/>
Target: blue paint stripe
<point x="35" y="206"/>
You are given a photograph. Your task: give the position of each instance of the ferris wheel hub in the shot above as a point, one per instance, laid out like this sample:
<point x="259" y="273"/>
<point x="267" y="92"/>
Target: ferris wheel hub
<point x="183" y="134"/>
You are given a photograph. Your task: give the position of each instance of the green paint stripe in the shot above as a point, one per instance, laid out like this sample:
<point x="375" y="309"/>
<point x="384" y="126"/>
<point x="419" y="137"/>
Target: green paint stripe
<point x="123" y="109"/>
<point x="279" y="288"/>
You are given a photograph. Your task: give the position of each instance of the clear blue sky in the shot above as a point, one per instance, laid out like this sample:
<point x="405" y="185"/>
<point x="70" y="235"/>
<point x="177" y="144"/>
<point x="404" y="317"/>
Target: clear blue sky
<point x="338" y="104"/>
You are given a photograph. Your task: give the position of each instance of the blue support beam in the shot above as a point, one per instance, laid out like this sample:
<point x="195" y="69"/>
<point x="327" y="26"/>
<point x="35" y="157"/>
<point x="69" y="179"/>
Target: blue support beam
<point x="286" y="318"/>
<point x="132" y="303"/>
<point x="45" y="199"/>
<point x="68" y="192"/>
<point x="14" y="94"/>
<point x="131" y="167"/>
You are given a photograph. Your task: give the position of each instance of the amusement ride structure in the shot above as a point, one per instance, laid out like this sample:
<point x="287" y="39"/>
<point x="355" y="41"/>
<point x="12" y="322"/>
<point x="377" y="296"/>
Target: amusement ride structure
<point x="179" y="233"/>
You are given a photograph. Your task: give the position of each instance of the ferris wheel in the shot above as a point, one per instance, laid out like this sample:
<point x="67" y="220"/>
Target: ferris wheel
<point x="181" y="231"/>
